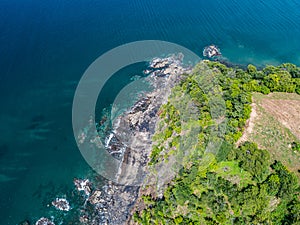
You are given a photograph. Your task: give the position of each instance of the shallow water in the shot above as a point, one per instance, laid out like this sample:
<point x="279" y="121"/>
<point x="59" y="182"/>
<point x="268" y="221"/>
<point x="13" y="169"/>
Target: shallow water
<point x="47" y="45"/>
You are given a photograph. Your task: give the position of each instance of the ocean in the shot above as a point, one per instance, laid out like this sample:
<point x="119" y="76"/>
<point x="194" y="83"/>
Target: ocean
<point x="45" y="47"/>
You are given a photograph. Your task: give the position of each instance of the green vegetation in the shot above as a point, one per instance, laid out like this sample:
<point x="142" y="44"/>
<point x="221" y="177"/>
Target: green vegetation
<point x="218" y="182"/>
<point x="270" y="127"/>
<point x="296" y="146"/>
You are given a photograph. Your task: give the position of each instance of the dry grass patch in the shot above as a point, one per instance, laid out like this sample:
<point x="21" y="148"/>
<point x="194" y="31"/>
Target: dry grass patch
<point x="286" y="111"/>
<point x="274" y="124"/>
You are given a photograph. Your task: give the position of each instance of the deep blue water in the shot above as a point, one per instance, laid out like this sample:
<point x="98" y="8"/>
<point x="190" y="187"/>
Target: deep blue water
<point x="45" y="47"/>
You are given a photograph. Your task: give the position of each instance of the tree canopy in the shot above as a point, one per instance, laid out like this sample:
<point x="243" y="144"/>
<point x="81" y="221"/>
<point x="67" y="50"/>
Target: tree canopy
<point x="231" y="185"/>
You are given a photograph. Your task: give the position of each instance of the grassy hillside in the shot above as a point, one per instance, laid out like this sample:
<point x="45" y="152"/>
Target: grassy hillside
<point x="277" y="126"/>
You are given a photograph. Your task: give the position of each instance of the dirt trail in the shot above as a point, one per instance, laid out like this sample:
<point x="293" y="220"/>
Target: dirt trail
<point x="249" y="125"/>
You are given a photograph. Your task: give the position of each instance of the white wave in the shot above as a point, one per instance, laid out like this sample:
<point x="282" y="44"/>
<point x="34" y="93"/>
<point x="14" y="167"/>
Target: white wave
<point x="108" y="139"/>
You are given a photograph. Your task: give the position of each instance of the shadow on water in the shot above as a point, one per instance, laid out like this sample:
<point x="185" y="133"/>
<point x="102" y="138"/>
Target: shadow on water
<point x="36" y="122"/>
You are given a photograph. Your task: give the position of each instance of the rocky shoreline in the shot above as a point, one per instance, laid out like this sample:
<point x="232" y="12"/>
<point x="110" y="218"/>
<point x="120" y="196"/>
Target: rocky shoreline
<point x="132" y="134"/>
<point x="129" y="141"/>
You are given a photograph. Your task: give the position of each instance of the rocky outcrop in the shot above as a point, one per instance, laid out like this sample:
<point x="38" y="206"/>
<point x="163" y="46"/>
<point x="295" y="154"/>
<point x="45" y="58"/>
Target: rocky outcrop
<point x="211" y="51"/>
<point x="61" y="204"/>
<point x="83" y="185"/>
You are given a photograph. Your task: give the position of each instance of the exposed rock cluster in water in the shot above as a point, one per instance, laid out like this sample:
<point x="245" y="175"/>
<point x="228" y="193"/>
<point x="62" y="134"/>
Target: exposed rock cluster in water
<point x="83" y="185"/>
<point x="211" y="51"/>
<point x="61" y="204"/>
<point x="44" y="221"/>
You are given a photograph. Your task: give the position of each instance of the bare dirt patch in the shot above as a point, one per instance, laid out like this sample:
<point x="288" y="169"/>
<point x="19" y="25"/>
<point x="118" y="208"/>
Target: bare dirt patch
<point x="249" y="125"/>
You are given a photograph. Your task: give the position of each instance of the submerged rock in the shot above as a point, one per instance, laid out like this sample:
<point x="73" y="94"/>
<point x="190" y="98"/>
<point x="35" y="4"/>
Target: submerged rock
<point x="25" y="222"/>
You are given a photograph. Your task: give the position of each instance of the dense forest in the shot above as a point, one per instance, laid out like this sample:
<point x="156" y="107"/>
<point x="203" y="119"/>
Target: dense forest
<point x="219" y="182"/>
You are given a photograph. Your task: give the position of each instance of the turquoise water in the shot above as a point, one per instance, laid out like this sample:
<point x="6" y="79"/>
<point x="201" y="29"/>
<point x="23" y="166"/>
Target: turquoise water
<point x="45" y="47"/>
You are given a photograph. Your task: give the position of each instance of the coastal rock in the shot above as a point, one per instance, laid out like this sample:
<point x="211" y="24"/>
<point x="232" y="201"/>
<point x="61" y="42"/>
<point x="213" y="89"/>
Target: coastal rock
<point x="95" y="197"/>
<point x="61" y="204"/>
<point x="114" y="146"/>
<point x="169" y="66"/>
<point x="84" y="219"/>
<point x="83" y="185"/>
<point x="211" y="51"/>
<point x="44" y="221"/>
<point x="147" y="71"/>
<point x="159" y="63"/>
